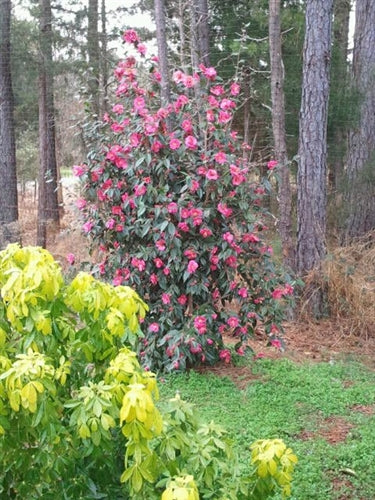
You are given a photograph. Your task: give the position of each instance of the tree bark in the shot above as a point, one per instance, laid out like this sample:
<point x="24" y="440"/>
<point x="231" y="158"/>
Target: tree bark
<point x="279" y="134"/>
<point x="162" y="51"/>
<point x="341" y="16"/>
<point x="9" y="230"/>
<point x="312" y="149"/>
<point x="93" y="55"/>
<point x="361" y="155"/>
<point x="203" y="31"/>
<point x="103" y="59"/>
<point x="48" y="207"/>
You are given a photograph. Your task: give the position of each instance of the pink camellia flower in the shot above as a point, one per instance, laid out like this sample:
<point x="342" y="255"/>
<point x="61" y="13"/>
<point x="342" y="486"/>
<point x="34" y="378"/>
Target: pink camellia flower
<point x="231" y="261"/>
<point x="118" y="109"/>
<point x="117" y="128"/>
<point x="184" y="227"/>
<point x="212" y="174"/>
<point x="174" y="144"/>
<point x="205" y="232"/>
<point x="117" y="280"/>
<point x="250" y="238"/>
<point x="190" y="253"/>
<point x="110" y="224"/>
<point x="210" y="115"/>
<point x="81" y="203"/>
<point x="224" y="117"/>
<point x="130" y="36"/>
<point x="190" y="80"/>
<point x="166" y="271"/>
<point x="172" y="207"/>
<point x="140" y="264"/>
<point x="79" y="170"/>
<point x="241" y="351"/>
<point x="194" y="186"/>
<point x="192" y="266"/>
<point x="217" y="90"/>
<point x="278" y="293"/>
<point x="156" y="146"/>
<point x="209" y="73"/>
<point x="243" y="292"/>
<point x="178" y="76"/>
<point x="119" y="228"/>
<point x="288" y="289"/>
<point x="225" y="355"/>
<point x="154" y="327"/>
<point x="139" y="103"/>
<point x="71" y="258"/>
<point x="233" y="322"/>
<point x="166" y="298"/>
<point x="191" y="142"/>
<point x="142" y="49"/>
<point x="228" y="237"/>
<point x="182" y="299"/>
<point x="185" y="213"/>
<point x="209" y="341"/>
<point x="116" y="210"/>
<point x="87" y="226"/>
<point x="224" y="209"/>
<point x="181" y="101"/>
<point x="187" y="126"/>
<point x="220" y="157"/>
<point x="227" y="104"/>
<point x="135" y="139"/>
<point x="276" y="343"/>
<point x="160" y="245"/>
<point x="154" y="279"/>
<point x="200" y="324"/>
<point x="140" y="190"/>
<point x="235" y="88"/>
<point x="158" y="263"/>
<point x="271" y="164"/>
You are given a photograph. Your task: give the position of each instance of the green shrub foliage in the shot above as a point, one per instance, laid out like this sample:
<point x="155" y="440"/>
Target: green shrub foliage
<point x="78" y="417"/>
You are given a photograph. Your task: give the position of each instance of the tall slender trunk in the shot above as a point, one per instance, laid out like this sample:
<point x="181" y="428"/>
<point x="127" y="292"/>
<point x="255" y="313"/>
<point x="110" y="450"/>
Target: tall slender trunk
<point x="48" y="207"/>
<point x="9" y="230"/>
<point x="279" y="135"/>
<point x="361" y="156"/>
<point x="162" y="51"/>
<point x="93" y="55"/>
<point x="341" y="16"/>
<point x="103" y="59"/>
<point x="312" y="149"/>
<point x="203" y="31"/>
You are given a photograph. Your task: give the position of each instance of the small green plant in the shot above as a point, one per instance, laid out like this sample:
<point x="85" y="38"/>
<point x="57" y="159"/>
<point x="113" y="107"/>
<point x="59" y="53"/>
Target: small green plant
<point x="78" y="417"/>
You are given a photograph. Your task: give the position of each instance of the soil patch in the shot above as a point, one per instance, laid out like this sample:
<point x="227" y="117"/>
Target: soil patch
<point x="333" y="429"/>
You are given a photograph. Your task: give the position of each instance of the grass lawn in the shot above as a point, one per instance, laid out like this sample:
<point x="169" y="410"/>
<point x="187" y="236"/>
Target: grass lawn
<point x="325" y="412"/>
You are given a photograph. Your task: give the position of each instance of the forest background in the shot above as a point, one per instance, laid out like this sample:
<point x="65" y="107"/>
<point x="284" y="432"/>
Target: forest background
<point x="307" y="102"/>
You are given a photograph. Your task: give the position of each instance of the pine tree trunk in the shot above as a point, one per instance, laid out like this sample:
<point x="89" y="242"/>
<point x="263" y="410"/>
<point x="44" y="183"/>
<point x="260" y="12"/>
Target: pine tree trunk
<point x="312" y="149"/>
<point x="93" y="55"/>
<point x="162" y="51"/>
<point x="48" y="207"/>
<point x="361" y="155"/>
<point x="103" y="60"/>
<point x="203" y="31"/>
<point x="279" y="135"/>
<point x="341" y="15"/>
<point x="9" y="229"/>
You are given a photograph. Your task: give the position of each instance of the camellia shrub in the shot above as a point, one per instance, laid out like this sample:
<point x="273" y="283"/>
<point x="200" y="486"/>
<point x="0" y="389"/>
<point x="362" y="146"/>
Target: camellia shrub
<point x="175" y="209"/>
<point x="78" y="418"/>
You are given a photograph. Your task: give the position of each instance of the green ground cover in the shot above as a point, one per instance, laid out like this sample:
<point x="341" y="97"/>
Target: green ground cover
<point x="325" y="412"/>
